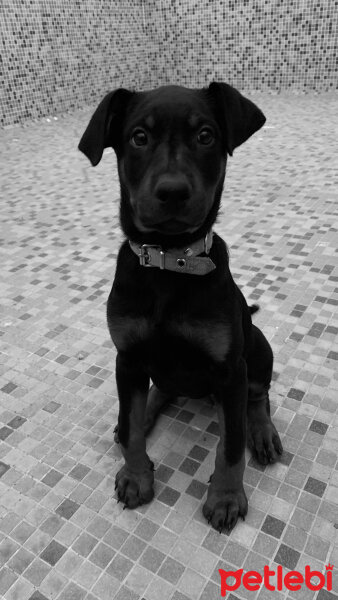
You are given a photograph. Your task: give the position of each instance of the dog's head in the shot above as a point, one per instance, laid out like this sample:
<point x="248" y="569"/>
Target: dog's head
<point x="171" y="146"/>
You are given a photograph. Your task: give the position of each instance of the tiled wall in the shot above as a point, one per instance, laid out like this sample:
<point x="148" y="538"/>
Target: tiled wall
<point x="59" y="55"/>
<point x="253" y="44"/>
<point x="66" y="54"/>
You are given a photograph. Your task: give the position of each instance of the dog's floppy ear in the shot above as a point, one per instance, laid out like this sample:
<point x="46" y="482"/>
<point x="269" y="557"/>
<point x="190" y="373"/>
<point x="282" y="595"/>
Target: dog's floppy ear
<point x="238" y="117"/>
<point x="102" y="130"/>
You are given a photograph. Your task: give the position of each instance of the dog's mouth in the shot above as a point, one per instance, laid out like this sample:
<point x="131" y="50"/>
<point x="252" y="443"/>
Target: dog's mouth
<point x="168" y="227"/>
<point x="172" y="226"/>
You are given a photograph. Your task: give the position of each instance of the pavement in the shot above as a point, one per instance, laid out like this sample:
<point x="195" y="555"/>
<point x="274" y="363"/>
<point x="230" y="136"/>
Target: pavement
<point x="63" y="535"/>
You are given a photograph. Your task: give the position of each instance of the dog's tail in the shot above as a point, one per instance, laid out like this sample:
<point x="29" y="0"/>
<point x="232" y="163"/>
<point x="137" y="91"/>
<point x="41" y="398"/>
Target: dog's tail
<point x="253" y="309"/>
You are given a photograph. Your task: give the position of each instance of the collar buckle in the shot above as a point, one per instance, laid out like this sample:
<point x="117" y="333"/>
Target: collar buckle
<point x="145" y="257"/>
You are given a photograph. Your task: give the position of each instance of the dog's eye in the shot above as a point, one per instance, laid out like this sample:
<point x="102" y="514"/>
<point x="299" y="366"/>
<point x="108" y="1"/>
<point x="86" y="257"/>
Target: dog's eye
<point x="139" y="138"/>
<point x="205" y="136"/>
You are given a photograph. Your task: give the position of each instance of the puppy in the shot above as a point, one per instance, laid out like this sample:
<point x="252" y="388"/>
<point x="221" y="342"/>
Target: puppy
<point x="174" y="313"/>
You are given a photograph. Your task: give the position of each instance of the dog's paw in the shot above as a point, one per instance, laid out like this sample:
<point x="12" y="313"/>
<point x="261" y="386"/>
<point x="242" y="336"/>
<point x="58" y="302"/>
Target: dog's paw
<point x="264" y="442"/>
<point x="135" y="489"/>
<point x="223" y="508"/>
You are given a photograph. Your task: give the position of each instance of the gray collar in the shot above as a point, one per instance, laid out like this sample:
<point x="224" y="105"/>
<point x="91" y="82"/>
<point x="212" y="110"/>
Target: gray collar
<point x="180" y="260"/>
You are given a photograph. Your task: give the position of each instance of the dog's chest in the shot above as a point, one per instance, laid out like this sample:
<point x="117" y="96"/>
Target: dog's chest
<point x="177" y="332"/>
<point x="211" y="336"/>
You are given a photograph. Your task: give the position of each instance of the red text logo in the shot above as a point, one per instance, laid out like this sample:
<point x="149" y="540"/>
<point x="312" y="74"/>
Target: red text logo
<point x="293" y="580"/>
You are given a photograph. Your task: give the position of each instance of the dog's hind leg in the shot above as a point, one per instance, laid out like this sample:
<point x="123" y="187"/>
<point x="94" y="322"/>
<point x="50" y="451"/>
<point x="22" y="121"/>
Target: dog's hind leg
<point x="262" y="437"/>
<point x="156" y="401"/>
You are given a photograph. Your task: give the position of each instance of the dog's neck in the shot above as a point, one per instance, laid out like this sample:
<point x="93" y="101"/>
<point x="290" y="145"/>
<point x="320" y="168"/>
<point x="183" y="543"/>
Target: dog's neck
<point x="186" y="259"/>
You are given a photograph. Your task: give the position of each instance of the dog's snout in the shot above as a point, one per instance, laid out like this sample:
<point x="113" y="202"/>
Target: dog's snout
<point x="172" y="189"/>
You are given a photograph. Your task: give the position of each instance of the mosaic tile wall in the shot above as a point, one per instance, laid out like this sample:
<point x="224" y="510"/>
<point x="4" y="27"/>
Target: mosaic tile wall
<point x="253" y="44"/>
<point x="63" y="55"/>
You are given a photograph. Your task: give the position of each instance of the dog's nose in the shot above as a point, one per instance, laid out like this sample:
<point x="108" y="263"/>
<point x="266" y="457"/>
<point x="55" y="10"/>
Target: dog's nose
<point x="170" y="190"/>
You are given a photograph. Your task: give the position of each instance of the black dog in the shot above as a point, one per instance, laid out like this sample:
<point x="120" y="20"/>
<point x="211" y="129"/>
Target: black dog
<point x="182" y="321"/>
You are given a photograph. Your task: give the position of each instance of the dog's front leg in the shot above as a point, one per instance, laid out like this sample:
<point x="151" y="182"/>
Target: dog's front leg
<point x="135" y="481"/>
<point x="226" y="499"/>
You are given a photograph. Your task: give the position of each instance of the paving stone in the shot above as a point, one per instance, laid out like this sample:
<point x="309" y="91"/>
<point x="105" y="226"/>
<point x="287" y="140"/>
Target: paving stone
<point x="61" y="531"/>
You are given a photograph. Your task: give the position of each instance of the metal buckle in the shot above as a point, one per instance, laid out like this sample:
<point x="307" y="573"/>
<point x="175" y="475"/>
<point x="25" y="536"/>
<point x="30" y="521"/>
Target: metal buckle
<point x="145" y="258"/>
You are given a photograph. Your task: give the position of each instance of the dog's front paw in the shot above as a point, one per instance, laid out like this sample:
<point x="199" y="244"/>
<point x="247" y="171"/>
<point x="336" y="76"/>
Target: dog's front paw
<point x="264" y="441"/>
<point x="222" y="508"/>
<point x="135" y="488"/>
